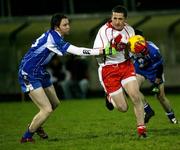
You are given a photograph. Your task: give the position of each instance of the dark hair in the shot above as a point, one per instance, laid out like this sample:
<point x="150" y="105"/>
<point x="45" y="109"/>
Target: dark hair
<point x="56" y="20"/>
<point x="120" y="9"/>
<point x="138" y="32"/>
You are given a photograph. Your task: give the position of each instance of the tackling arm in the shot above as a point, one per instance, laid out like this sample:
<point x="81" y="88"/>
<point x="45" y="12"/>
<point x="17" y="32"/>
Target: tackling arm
<point x="82" y="51"/>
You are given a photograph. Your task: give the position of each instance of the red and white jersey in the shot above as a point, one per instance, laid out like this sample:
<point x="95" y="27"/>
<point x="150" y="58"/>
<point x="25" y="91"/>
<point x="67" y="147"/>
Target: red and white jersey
<point x="106" y="34"/>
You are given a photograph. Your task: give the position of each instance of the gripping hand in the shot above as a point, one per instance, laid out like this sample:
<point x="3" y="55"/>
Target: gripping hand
<point x="109" y="50"/>
<point x="155" y="89"/>
<point x="119" y="43"/>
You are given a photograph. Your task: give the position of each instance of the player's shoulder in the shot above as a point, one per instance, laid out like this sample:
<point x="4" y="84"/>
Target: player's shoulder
<point x="152" y="45"/>
<point x="153" y="48"/>
<point x="103" y="28"/>
<point x="128" y="27"/>
<point x="107" y="26"/>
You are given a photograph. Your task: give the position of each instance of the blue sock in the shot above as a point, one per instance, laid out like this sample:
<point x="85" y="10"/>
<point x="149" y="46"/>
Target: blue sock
<point x="147" y="108"/>
<point x="28" y="134"/>
<point x="170" y="115"/>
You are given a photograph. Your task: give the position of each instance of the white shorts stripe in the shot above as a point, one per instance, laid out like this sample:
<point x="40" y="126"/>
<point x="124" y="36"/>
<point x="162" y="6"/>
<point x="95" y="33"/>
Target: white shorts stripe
<point x="123" y="82"/>
<point x="116" y="92"/>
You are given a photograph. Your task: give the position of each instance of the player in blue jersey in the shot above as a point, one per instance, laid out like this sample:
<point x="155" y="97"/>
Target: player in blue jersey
<point x="35" y="80"/>
<point x="148" y="64"/>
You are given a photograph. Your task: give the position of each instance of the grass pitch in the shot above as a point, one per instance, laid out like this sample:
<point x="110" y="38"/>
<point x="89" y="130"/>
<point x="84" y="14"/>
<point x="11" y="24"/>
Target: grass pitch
<point x="88" y="125"/>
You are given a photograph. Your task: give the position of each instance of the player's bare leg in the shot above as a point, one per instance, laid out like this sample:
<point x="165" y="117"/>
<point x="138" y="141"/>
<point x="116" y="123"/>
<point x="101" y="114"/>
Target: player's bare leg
<point x="149" y="112"/>
<point x="40" y="99"/>
<point x="165" y="103"/>
<point x="132" y="89"/>
<point x="52" y="96"/>
<point x="118" y="99"/>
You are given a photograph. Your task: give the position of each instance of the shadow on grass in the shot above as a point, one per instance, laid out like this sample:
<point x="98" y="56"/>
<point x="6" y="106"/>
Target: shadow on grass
<point x="122" y="135"/>
<point x="88" y="136"/>
<point x="165" y="131"/>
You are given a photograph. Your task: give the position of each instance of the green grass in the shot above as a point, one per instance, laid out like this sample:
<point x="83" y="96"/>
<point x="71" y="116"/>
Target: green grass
<point x="88" y="125"/>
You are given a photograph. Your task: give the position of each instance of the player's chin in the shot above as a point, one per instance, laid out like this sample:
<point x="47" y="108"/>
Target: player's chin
<point x="67" y="32"/>
<point x="119" y="27"/>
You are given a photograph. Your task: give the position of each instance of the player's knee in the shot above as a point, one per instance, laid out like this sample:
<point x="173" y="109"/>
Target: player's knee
<point x="55" y="105"/>
<point x="122" y="108"/>
<point x="120" y="104"/>
<point x="161" y="97"/>
<point x="47" y="111"/>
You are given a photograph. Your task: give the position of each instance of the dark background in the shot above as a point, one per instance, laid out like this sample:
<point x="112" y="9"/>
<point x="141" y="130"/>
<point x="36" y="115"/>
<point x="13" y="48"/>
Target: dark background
<point x="47" y="7"/>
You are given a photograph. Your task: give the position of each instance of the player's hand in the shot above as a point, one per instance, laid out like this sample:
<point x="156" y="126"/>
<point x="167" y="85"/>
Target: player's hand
<point x="109" y="50"/>
<point x="155" y="88"/>
<point x="118" y="43"/>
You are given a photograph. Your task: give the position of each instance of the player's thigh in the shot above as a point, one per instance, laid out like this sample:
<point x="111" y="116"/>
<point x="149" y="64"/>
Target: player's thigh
<point x="132" y="89"/>
<point x="40" y="98"/>
<point x="140" y="79"/>
<point x="51" y="94"/>
<point x="161" y="95"/>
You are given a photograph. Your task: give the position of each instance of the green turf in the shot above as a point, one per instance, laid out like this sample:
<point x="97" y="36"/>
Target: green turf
<point x="88" y="125"/>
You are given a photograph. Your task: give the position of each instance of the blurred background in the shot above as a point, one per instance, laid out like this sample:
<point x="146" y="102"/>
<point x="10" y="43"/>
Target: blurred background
<point x="21" y="22"/>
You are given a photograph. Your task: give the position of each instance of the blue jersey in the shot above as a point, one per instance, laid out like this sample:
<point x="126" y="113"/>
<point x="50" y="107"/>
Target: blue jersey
<point x="150" y="64"/>
<point x="32" y="69"/>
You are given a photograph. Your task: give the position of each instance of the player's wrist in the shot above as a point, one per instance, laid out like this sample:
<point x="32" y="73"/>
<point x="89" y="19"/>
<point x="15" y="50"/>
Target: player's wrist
<point x="109" y="50"/>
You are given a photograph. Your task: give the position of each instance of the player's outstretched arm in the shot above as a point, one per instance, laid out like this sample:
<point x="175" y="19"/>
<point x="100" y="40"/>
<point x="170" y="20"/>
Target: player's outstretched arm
<point x="82" y="51"/>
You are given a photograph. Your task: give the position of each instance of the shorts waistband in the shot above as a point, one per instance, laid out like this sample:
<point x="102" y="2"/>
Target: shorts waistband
<point x="119" y="64"/>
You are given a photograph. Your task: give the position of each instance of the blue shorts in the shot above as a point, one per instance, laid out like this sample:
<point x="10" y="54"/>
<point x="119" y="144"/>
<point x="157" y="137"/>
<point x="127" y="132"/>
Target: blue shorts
<point x="29" y="82"/>
<point x="149" y="75"/>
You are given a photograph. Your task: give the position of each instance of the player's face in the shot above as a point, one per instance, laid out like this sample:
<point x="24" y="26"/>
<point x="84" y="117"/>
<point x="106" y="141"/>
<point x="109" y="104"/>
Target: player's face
<point x="118" y="20"/>
<point x="64" y="27"/>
